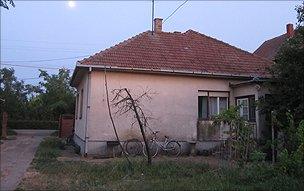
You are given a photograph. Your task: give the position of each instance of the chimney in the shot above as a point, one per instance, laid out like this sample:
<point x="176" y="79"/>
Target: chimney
<point x="158" y="25"/>
<point x="289" y="30"/>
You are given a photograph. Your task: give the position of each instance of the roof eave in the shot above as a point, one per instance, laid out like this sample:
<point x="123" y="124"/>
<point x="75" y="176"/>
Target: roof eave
<point x="165" y="71"/>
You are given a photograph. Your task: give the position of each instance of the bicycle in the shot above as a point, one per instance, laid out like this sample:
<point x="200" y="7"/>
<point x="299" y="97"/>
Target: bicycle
<point x="134" y="147"/>
<point x="171" y="146"/>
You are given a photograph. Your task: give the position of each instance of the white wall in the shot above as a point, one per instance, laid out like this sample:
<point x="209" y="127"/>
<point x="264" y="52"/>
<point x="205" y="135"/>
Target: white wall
<point x="174" y="106"/>
<point x="81" y="123"/>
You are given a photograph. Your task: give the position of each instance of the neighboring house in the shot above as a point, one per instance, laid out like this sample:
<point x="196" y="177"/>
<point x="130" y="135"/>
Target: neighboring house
<point x="270" y="48"/>
<point x="194" y="77"/>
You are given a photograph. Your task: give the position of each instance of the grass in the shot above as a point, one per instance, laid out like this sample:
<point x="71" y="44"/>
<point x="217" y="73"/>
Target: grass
<point x="116" y="174"/>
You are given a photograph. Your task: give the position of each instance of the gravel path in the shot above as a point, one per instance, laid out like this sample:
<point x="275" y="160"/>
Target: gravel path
<point x="16" y="156"/>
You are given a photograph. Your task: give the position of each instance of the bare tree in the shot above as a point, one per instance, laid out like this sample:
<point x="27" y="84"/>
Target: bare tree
<point x="112" y="121"/>
<point x="125" y="104"/>
<point x="124" y="101"/>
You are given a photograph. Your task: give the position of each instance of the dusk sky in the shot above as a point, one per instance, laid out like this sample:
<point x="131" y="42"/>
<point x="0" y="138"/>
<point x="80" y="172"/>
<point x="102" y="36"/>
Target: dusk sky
<point x="41" y="30"/>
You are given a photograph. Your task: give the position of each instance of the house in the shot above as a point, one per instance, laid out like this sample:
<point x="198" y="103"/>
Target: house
<point x="270" y="48"/>
<point x="194" y="77"/>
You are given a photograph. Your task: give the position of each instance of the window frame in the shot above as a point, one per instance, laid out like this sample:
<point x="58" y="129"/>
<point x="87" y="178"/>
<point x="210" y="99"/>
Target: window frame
<point x="250" y="106"/>
<point x="208" y="102"/>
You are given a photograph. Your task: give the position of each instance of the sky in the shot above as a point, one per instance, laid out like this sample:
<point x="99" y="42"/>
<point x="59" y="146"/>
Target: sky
<point x="47" y="30"/>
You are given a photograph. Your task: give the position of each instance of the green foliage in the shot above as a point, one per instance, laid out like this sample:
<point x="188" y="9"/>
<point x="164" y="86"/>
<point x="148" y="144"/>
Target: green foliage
<point x="3" y="3"/>
<point x="46" y="102"/>
<point x="47" y="152"/>
<point x="240" y="133"/>
<point x="287" y="85"/>
<point x="300" y="14"/>
<point x="14" y="94"/>
<point x="58" y="97"/>
<point x="32" y="124"/>
<point x="300" y="135"/>
<point x="257" y="156"/>
<point x="293" y="162"/>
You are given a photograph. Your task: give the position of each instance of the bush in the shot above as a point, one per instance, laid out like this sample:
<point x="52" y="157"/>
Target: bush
<point x="257" y="156"/>
<point x="30" y="124"/>
<point x="291" y="163"/>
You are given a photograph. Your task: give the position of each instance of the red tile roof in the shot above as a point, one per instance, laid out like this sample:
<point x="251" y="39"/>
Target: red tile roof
<point x="270" y="48"/>
<point x="189" y="52"/>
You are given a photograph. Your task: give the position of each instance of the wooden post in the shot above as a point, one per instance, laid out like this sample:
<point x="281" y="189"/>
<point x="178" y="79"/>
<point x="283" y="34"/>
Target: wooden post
<point x="4" y="125"/>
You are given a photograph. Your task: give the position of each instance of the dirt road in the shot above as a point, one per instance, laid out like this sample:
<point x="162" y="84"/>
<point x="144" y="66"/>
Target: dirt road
<point x="16" y="156"/>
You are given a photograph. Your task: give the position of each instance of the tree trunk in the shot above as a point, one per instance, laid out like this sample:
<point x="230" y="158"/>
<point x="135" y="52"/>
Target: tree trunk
<point x="141" y="126"/>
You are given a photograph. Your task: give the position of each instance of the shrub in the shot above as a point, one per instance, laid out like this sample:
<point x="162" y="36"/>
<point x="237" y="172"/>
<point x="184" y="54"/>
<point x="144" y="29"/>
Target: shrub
<point x="291" y="163"/>
<point x="257" y="156"/>
<point x="30" y="124"/>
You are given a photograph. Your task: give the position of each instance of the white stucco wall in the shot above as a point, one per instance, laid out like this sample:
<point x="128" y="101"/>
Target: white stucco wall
<point x="80" y="124"/>
<point x="173" y="106"/>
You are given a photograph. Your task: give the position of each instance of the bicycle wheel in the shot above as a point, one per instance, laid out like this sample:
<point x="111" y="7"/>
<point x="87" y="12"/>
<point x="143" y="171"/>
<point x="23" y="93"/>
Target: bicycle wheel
<point x="173" y="148"/>
<point x="133" y="147"/>
<point x="153" y="148"/>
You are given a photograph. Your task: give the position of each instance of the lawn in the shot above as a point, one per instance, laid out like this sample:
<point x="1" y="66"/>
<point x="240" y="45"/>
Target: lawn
<point x="49" y="173"/>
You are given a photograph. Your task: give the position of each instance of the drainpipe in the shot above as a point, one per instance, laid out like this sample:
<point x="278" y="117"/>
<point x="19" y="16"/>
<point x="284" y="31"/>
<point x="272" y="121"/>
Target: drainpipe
<point x="87" y="111"/>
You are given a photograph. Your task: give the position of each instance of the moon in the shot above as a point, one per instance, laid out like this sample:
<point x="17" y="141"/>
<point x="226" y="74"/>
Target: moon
<point x="71" y="4"/>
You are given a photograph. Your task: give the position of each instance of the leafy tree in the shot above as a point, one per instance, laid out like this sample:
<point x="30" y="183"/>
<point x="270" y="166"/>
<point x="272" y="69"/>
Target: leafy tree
<point x="288" y="79"/>
<point x="13" y="93"/>
<point x="287" y="84"/>
<point x="48" y="101"/>
<point x="3" y="3"/>
<point x="57" y="98"/>
<point x="300" y="16"/>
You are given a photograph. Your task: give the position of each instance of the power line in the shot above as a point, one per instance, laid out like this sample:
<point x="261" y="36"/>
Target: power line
<point x="42" y="48"/>
<point x="46" y="60"/>
<point x="175" y="10"/>
<point x="50" y="42"/>
<point x="37" y="67"/>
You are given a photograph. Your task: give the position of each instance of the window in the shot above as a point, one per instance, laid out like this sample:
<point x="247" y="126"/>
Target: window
<point x="247" y="107"/>
<point x="252" y="109"/>
<point x="202" y="107"/>
<point x="243" y="103"/>
<point x="209" y="106"/>
<point x="81" y="104"/>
